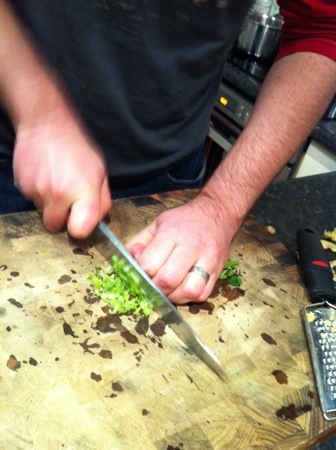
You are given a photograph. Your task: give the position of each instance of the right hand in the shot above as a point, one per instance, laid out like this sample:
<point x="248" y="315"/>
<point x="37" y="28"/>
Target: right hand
<point x="57" y="166"/>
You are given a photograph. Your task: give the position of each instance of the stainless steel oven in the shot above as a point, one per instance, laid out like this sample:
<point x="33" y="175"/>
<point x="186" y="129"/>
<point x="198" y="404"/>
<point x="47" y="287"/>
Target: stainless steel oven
<point x="233" y="108"/>
<point x="229" y="117"/>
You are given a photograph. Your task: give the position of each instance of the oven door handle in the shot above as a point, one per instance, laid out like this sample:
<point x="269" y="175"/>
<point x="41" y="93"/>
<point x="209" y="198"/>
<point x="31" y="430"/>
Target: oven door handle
<point x="219" y="139"/>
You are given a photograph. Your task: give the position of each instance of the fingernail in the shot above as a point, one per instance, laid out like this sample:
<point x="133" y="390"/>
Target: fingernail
<point x="137" y="250"/>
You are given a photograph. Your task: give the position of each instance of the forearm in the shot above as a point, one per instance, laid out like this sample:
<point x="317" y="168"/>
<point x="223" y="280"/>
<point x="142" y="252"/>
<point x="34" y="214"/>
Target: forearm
<point x="28" y="88"/>
<point x="292" y="100"/>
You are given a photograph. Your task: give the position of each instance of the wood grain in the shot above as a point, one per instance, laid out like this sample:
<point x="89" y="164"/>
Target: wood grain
<point x="74" y="376"/>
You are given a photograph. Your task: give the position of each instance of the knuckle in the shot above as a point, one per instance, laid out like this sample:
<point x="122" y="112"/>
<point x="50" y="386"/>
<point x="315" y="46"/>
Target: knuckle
<point x="167" y="281"/>
<point x="149" y="269"/>
<point x="191" y="293"/>
<point x="57" y="192"/>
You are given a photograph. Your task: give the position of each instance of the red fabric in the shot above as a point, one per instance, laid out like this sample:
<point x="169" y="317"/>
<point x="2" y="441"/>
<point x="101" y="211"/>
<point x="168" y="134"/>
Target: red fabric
<point x="310" y="26"/>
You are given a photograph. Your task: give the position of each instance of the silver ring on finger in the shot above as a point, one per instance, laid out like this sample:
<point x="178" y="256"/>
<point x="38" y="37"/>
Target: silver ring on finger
<point x="201" y="271"/>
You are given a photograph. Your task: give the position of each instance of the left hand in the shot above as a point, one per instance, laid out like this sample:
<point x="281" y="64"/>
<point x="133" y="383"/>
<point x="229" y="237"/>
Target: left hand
<point x="178" y="239"/>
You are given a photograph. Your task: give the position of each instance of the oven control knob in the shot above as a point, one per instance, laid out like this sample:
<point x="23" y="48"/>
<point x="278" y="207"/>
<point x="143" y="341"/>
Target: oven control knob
<point x="241" y="113"/>
<point x="246" y="117"/>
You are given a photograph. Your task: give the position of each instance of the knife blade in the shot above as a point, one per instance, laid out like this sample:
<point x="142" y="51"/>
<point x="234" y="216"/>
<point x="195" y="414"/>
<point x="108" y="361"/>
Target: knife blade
<point x="108" y="245"/>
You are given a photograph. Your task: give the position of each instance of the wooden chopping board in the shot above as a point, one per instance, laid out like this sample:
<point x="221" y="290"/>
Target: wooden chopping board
<point x="74" y="376"/>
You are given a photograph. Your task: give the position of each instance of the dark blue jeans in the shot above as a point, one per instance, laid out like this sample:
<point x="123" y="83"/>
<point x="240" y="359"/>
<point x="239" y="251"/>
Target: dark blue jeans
<point x="11" y="199"/>
<point x="189" y="174"/>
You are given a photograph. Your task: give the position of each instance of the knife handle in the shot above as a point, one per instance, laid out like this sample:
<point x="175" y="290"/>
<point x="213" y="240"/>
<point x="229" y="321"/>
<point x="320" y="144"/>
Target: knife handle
<point x="315" y="267"/>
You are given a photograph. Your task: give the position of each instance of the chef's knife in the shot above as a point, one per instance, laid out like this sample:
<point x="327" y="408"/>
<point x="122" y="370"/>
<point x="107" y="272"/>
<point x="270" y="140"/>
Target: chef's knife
<point x="315" y="266"/>
<point x="108" y="245"/>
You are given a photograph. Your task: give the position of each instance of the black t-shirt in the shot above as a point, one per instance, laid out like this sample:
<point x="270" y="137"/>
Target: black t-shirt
<point x="143" y="73"/>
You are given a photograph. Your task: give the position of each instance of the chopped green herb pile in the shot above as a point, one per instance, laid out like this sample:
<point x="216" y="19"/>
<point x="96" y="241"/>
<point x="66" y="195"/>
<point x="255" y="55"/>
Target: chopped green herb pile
<point x="230" y="273"/>
<point x="118" y="285"/>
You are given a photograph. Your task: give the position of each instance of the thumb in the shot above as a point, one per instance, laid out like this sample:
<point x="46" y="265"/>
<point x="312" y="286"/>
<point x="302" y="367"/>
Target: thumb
<point x="138" y="243"/>
<point x="84" y="217"/>
<point x="136" y="250"/>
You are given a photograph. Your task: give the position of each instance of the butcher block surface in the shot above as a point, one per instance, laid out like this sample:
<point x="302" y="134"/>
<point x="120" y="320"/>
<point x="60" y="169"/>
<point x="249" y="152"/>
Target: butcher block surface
<point x="74" y="376"/>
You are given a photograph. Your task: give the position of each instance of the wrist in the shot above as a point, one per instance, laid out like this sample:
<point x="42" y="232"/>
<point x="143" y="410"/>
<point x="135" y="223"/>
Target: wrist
<point x="36" y="99"/>
<point x="229" y="214"/>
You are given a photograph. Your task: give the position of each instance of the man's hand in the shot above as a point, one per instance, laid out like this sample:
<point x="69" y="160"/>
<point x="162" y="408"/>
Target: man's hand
<point x="200" y="232"/>
<point x="190" y="235"/>
<point x="60" y="170"/>
<point x="56" y="164"/>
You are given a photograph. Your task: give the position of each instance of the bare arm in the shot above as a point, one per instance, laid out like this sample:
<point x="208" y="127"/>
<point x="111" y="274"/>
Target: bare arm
<point x="24" y="79"/>
<point x="293" y="98"/>
<point x="55" y="162"/>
